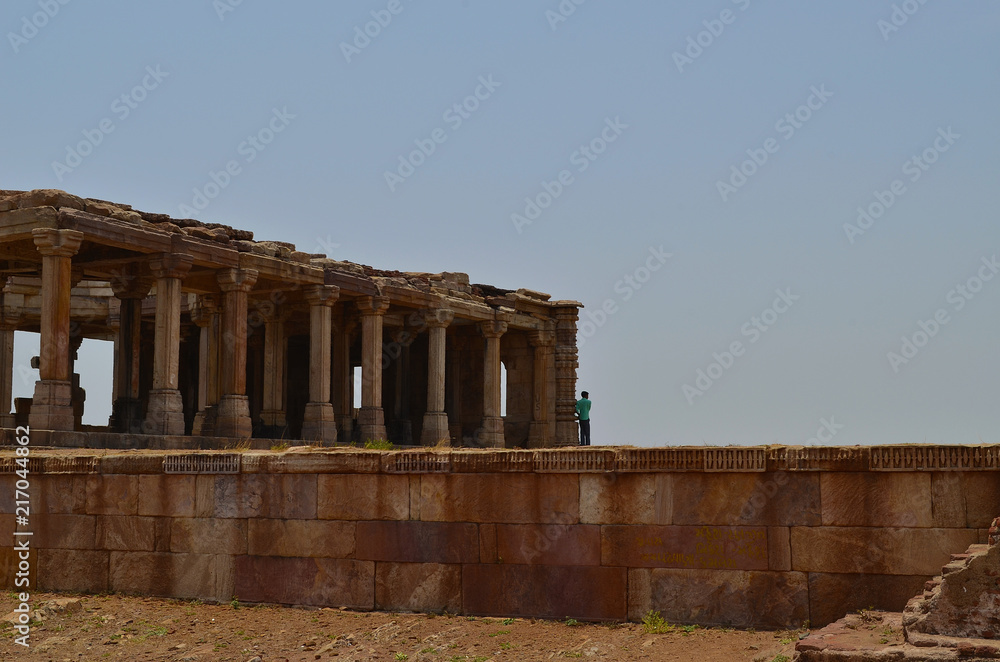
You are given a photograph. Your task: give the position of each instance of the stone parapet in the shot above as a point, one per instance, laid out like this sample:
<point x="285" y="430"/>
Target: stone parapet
<point x="715" y="536"/>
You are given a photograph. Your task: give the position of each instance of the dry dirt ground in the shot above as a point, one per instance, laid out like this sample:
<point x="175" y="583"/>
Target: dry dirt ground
<point x="113" y="627"/>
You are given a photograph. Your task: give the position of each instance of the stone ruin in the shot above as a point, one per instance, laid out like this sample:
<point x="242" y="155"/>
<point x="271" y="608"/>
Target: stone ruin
<point x="955" y="617"/>
<point x="218" y="335"/>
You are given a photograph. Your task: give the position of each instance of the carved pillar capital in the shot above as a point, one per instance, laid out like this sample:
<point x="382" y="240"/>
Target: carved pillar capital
<point x="437" y="318"/>
<point x="171" y="265"/>
<point x="203" y="308"/>
<point x="545" y="338"/>
<point x="61" y="243"/>
<point x="372" y="305"/>
<point x="236" y="280"/>
<point x="131" y="282"/>
<point x="492" y="328"/>
<point x="322" y="295"/>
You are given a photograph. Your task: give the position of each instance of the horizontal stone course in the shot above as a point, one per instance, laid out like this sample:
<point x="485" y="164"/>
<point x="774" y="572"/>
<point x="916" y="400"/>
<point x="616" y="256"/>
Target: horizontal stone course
<point x="743" y="548"/>
<point x="876" y="499"/>
<point x="306" y="538"/>
<point x="418" y="542"/>
<point x="878" y="551"/>
<point x="548" y="544"/>
<point x="500" y="498"/>
<point x="363" y="497"/>
<point x="299" y="581"/>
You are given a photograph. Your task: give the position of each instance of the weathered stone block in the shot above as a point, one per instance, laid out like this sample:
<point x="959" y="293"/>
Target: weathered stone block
<point x="275" y="537"/>
<point x="337" y="461"/>
<point x="137" y="534"/>
<point x="779" y="548"/>
<point x="948" y="499"/>
<point x="734" y="548"/>
<point x="167" y="495"/>
<point x="112" y="494"/>
<point x="515" y="499"/>
<point x="59" y="494"/>
<point x="549" y="544"/>
<point x="278" y="496"/>
<point x="623" y="498"/>
<point x="326" y="582"/>
<point x="876" y="499"/>
<point x="418" y="587"/>
<point x="488" y="543"/>
<point x="746" y="499"/>
<point x="73" y="570"/>
<point x="363" y="497"/>
<point x="557" y="592"/>
<point x="208" y="536"/>
<point x="166" y="575"/>
<point x="982" y="497"/>
<point x="831" y="596"/>
<point x="879" y="551"/>
<point x="733" y="598"/>
<point x="418" y="542"/>
<point x="64" y="532"/>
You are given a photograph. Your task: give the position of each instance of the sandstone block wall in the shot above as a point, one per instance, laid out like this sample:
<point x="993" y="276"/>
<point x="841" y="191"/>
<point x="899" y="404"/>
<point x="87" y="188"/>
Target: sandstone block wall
<point x="765" y="538"/>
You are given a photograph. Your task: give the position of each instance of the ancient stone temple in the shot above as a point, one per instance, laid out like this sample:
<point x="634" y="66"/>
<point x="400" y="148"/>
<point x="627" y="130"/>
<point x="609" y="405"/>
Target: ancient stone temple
<point x="220" y="336"/>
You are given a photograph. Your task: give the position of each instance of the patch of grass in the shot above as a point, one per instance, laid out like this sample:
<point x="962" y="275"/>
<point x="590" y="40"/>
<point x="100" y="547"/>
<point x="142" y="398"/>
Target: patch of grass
<point x="283" y="446"/>
<point x="506" y="646"/>
<point x="784" y="642"/>
<point x="428" y="650"/>
<point x="234" y="603"/>
<point x="571" y="622"/>
<point x="653" y="622"/>
<point x="781" y="658"/>
<point x="572" y="654"/>
<point x="499" y="632"/>
<point x="507" y="621"/>
<point x="402" y="656"/>
<point x="379" y="444"/>
<point x="688" y="629"/>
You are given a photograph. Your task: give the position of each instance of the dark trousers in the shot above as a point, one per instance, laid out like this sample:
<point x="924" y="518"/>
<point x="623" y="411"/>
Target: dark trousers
<point x="585" y="433"/>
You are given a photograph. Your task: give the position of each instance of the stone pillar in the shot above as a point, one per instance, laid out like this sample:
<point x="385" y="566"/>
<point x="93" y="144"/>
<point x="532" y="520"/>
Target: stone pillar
<point x="318" y="421"/>
<point x="233" y="414"/>
<point x="343" y="377"/>
<point x="165" y="410"/>
<point x="542" y="408"/>
<point x="8" y="325"/>
<point x="205" y="314"/>
<point x="567" y="430"/>
<point x="51" y="407"/>
<point x="126" y="410"/>
<point x="272" y="415"/>
<point x="371" y="418"/>
<point x="492" y="426"/>
<point x="435" y="425"/>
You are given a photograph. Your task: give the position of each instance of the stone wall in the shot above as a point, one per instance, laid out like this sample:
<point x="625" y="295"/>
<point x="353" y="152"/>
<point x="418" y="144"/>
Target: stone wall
<point x="762" y="537"/>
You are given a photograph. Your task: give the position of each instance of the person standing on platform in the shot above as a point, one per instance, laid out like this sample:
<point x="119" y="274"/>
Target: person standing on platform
<point x="583" y="415"/>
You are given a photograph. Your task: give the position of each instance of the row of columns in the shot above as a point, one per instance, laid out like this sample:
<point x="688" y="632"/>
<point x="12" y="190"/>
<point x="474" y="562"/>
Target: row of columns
<point x="223" y="406"/>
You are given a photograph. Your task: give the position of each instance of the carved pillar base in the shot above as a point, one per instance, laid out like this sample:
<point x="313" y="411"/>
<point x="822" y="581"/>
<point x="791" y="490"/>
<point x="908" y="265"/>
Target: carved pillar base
<point x="371" y="423"/>
<point x="318" y="423"/>
<point x="204" y="422"/>
<point x="435" y="429"/>
<point x="232" y="418"/>
<point x="165" y="412"/>
<point x="491" y="435"/>
<point x="52" y="405"/>
<point x="126" y="416"/>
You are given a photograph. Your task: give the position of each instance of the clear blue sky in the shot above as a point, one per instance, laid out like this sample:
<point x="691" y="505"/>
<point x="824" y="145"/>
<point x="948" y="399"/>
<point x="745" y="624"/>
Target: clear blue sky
<point x="885" y="85"/>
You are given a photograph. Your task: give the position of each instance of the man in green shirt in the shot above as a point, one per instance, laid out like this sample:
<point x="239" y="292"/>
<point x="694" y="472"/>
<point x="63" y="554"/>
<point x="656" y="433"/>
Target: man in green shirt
<point x="583" y="414"/>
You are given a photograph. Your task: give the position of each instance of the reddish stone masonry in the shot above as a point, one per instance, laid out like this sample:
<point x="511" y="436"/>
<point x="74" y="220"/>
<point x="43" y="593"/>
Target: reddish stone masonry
<point x="752" y="537"/>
